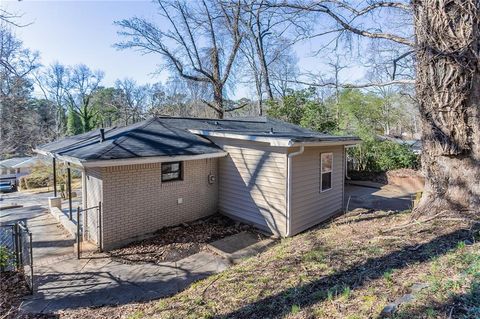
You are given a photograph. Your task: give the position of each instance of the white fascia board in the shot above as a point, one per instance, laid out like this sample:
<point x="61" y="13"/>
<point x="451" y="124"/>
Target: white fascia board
<point x="131" y="161"/>
<point x="263" y="139"/>
<point x="274" y="141"/>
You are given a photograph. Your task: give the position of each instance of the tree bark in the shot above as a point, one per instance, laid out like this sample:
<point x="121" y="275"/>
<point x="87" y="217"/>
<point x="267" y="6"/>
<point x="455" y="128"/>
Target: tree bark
<point x="448" y="93"/>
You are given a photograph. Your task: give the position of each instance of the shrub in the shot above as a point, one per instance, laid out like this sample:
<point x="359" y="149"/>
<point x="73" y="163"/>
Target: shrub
<point x="380" y="156"/>
<point x="39" y="177"/>
<point x="6" y="257"/>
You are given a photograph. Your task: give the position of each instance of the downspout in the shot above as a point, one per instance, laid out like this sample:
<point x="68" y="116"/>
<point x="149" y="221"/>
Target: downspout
<point x="289" y="188"/>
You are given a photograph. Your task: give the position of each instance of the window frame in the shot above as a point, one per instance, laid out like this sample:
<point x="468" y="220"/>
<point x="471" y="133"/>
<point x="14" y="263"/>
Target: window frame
<point x="328" y="172"/>
<point x="180" y="172"/>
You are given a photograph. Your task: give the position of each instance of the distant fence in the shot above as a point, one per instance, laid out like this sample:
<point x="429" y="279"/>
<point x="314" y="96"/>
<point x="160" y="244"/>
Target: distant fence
<point x="16" y="251"/>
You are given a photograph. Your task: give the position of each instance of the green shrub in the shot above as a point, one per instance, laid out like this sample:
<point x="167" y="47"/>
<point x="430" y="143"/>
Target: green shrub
<point x="6" y="257"/>
<point x="380" y="156"/>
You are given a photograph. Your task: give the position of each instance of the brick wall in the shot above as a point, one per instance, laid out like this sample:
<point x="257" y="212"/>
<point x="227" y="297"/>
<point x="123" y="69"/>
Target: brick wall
<point x="136" y="202"/>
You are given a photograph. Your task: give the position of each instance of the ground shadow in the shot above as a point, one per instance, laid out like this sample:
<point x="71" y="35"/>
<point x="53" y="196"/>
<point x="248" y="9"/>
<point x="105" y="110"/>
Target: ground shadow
<point x="466" y="305"/>
<point x="279" y="305"/>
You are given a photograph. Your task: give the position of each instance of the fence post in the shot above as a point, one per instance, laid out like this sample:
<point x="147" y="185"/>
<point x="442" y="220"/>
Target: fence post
<point x="16" y="246"/>
<point x="31" y="262"/>
<point x="78" y="232"/>
<point x="100" y="226"/>
<point x="20" y="246"/>
<point x="69" y="178"/>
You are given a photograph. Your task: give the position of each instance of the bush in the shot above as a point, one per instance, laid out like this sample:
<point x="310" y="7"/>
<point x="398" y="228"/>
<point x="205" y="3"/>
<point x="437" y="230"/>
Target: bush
<point x="39" y="177"/>
<point x="381" y="156"/>
<point x="6" y="258"/>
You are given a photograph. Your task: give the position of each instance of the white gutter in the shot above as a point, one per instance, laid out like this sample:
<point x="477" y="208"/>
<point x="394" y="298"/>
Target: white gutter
<point x="274" y="140"/>
<point x="131" y="161"/>
<point x="289" y="188"/>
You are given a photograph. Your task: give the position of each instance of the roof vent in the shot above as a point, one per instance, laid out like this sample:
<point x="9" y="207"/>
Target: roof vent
<point x="271" y="130"/>
<point x="102" y="135"/>
<point x="217" y="123"/>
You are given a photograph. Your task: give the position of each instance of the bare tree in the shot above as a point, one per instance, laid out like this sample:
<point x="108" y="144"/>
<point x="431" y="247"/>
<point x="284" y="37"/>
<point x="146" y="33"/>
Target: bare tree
<point x="267" y="41"/>
<point x="201" y="44"/>
<point x="54" y="83"/>
<point x="133" y="100"/>
<point x="83" y="82"/>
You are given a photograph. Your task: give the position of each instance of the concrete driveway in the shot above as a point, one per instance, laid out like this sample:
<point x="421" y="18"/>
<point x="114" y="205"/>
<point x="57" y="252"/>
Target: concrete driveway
<point x="50" y="240"/>
<point x="377" y="196"/>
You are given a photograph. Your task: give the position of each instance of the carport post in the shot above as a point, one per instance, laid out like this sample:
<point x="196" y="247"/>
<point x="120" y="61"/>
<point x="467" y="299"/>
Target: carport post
<point x="78" y="232"/>
<point x="69" y="176"/>
<point x="54" y="177"/>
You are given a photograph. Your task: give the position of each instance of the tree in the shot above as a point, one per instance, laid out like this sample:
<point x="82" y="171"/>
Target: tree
<point x="201" y="44"/>
<point x="54" y="83"/>
<point x="82" y="83"/>
<point x="17" y="115"/>
<point x="448" y="93"/>
<point x="132" y="99"/>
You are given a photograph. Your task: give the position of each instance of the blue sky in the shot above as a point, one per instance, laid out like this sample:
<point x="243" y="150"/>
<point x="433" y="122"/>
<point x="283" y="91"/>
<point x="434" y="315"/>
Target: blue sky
<point x="73" y="32"/>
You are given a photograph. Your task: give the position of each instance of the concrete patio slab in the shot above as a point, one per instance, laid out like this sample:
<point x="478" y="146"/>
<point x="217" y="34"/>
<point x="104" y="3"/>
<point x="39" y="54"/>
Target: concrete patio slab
<point x="235" y="248"/>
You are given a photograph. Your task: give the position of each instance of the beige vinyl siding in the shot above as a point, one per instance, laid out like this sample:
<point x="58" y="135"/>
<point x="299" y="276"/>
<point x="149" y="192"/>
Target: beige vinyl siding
<point x="309" y="205"/>
<point x="252" y="183"/>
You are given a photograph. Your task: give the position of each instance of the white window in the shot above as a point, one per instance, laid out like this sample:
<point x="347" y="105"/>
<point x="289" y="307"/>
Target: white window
<point x="326" y="168"/>
<point x="172" y="171"/>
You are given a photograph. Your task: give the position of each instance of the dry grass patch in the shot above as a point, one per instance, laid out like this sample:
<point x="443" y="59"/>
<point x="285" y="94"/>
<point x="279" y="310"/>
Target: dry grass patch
<point x="350" y="268"/>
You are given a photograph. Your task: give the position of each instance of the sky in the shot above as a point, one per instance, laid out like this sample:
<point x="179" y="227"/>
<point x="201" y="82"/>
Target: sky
<point x="73" y="32"/>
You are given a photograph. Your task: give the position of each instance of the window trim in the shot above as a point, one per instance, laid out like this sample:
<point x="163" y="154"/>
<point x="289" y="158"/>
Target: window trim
<point x="321" y="173"/>
<point x="180" y="175"/>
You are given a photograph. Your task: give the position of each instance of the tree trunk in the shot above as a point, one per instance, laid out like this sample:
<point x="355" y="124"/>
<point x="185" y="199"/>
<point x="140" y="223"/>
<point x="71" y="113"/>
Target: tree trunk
<point x="448" y="92"/>
<point x="218" y="100"/>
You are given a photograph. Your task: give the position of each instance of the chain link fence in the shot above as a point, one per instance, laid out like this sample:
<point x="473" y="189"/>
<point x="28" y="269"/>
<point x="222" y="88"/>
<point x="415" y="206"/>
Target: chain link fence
<point x="16" y="252"/>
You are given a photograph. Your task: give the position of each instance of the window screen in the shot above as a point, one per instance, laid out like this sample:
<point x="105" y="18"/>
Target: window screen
<point x="171" y="171"/>
<point x="326" y="168"/>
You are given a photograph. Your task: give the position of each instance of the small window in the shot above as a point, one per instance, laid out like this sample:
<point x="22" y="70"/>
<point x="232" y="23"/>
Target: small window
<point x="326" y="168"/>
<point x="172" y="171"/>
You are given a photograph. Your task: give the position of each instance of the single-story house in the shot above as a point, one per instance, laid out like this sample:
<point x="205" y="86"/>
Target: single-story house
<point x="16" y="167"/>
<point x="165" y="171"/>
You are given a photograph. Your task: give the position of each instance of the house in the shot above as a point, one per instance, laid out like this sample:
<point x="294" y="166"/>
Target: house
<point x="16" y="167"/>
<point x="165" y="171"/>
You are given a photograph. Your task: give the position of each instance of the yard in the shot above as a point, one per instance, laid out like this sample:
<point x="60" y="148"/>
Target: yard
<point x="350" y="268"/>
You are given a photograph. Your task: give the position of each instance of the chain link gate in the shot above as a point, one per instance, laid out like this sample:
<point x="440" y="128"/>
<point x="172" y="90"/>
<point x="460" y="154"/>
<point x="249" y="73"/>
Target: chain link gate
<point x="17" y="250"/>
<point x="89" y="227"/>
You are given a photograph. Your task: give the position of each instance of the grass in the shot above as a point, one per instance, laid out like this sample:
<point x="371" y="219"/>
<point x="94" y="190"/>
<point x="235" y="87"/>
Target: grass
<point x="350" y="268"/>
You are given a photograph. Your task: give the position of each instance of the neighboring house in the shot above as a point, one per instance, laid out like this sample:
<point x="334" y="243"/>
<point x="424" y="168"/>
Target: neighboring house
<point x="414" y="145"/>
<point x="165" y="171"/>
<point x="14" y="168"/>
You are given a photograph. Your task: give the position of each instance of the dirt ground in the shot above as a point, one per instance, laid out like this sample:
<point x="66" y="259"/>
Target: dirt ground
<point x="175" y="243"/>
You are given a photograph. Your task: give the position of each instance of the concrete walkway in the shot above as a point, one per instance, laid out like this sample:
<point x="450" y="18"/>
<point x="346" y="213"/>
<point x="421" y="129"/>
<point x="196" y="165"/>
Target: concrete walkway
<point x="98" y="281"/>
<point x="50" y="241"/>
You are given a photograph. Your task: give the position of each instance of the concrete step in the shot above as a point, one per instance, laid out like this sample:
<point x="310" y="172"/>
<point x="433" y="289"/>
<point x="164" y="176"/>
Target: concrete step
<point x="239" y="246"/>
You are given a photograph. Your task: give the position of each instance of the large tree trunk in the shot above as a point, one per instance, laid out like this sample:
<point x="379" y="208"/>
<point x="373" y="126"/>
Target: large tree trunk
<point x="448" y="92"/>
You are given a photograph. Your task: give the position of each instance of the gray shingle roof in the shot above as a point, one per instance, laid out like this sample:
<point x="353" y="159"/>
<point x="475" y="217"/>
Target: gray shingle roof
<point x="144" y="139"/>
<point x="170" y="136"/>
